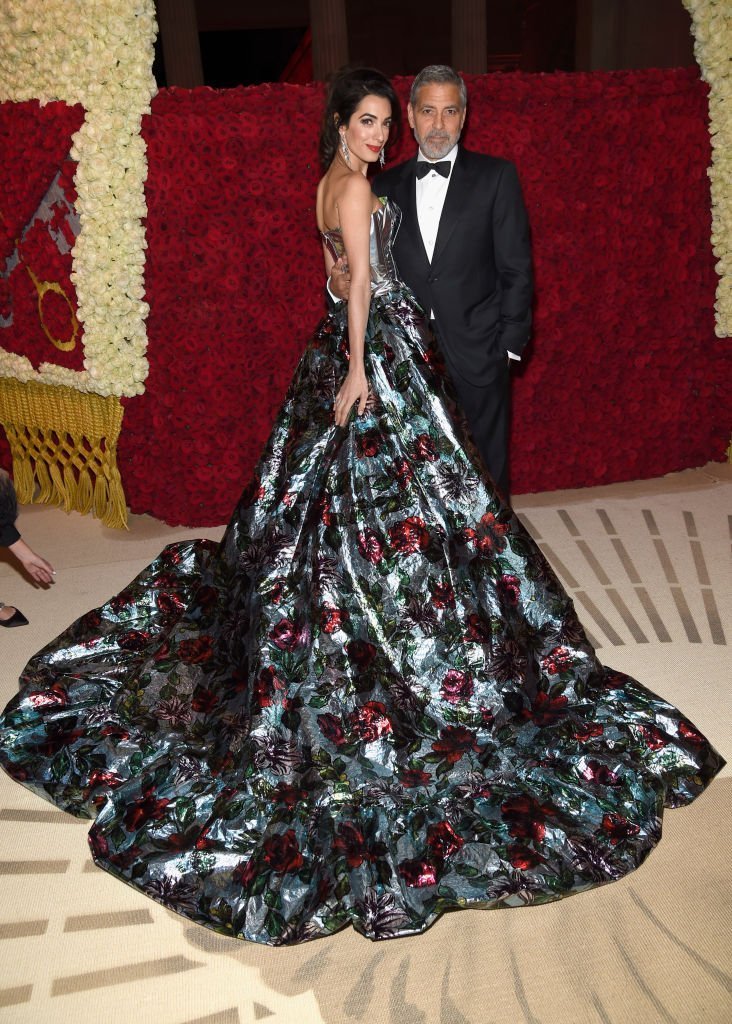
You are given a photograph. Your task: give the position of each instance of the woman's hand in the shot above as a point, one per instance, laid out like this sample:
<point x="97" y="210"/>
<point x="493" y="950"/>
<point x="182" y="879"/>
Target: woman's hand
<point x="36" y="566"/>
<point x="354" y="389"/>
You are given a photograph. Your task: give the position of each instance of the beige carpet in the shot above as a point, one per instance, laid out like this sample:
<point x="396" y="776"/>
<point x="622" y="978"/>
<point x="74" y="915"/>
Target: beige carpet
<point x="648" y="565"/>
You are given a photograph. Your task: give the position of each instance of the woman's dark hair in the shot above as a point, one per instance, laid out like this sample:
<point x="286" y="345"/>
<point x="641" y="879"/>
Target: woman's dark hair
<point x="346" y="91"/>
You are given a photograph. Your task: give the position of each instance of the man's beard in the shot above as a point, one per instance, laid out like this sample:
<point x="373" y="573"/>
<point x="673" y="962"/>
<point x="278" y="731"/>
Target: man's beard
<point x="436" y="145"/>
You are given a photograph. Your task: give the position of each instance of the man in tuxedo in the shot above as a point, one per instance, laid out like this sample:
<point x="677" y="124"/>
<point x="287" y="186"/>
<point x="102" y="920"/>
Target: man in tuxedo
<point x="463" y="248"/>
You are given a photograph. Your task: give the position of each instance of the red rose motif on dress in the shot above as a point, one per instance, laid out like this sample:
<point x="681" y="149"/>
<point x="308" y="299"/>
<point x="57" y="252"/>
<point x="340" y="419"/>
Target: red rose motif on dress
<point x="456" y="686"/>
<point x="653" y="737"/>
<point x="368" y="444"/>
<point x="145" y="808"/>
<point x="265" y="685"/>
<point x="443" y="841"/>
<point x="204" y="700"/>
<point x="557" y="660"/>
<point x="523" y="857"/>
<point x="546" y="710"/>
<point x="443" y="596"/>
<point x="687" y="732"/>
<point x="454" y="742"/>
<point x="289" y="795"/>
<point x="478" y="629"/>
<point x="370" y="722"/>
<point x="409" y="535"/>
<point x="286" y="635"/>
<point x="332" y="728"/>
<point x="595" y="771"/>
<point x="509" y="589"/>
<point x="55" y="696"/>
<point x="282" y="854"/>
<point x="412" y="777"/>
<point x="619" y="828"/>
<point x="360" y="653"/>
<point x="245" y="873"/>
<point x="526" y="817"/>
<point x="351" y="842"/>
<point x="332" y="618"/>
<point x="371" y="546"/>
<point x="423" y="449"/>
<point x="195" y="652"/>
<point x="418" y="873"/>
<point x="404" y="473"/>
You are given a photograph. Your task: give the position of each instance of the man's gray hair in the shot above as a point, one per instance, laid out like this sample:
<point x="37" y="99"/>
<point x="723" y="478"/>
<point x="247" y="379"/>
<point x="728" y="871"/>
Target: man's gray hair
<point x="438" y="74"/>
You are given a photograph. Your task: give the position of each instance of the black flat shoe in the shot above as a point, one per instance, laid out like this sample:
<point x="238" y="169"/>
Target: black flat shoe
<point x="16" y="619"/>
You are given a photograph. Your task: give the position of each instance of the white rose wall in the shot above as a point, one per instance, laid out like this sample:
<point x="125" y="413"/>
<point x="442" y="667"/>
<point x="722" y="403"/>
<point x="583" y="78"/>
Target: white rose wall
<point x="161" y="273"/>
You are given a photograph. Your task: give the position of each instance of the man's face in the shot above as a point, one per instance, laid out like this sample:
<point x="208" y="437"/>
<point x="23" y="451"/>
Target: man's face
<point x="436" y="118"/>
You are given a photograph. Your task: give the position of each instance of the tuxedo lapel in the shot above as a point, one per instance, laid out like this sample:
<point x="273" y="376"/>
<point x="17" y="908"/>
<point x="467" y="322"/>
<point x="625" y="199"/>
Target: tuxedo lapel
<point x="453" y="207"/>
<point x="405" y="196"/>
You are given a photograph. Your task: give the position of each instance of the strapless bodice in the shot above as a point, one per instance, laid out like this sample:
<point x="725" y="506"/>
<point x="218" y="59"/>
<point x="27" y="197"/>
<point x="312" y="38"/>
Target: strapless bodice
<point x="384" y="226"/>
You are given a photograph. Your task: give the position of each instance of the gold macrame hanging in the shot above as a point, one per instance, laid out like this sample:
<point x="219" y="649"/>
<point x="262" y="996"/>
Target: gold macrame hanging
<point x="64" y="448"/>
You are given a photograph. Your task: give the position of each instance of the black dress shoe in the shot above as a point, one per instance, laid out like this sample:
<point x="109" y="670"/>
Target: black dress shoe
<point x="16" y="619"/>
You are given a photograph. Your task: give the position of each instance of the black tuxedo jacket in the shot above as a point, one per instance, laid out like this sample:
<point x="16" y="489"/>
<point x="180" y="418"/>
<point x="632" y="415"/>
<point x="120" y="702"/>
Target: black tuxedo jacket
<point x="479" y="284"/>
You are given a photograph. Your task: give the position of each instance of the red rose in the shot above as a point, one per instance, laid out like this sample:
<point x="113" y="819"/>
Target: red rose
<point x="443" y="596"/>
<point x="98" y="843"/>
<point x="404" y="473"/>
<point x="288" y="795"/>
<point x="585" y="731"/>
<point x="245" y="872"/>
<point x="145" y="808"/>
<point x="133" y="640"/>
<point x="457" y="686"/>
<point x="360" y="653"/>
<point x="281" y="853"/>
<point x="326" y="516"/>
<point x="195" y="652"/>
<point x="351" y="843"/>
<point x="557" y="660"/>
<point x="526" y="816"/>
<point x="423" y="448"/>
<point x="169" y="604"/>
<point x="333" y="618"/>
<point x="443" y="840"/>
<point x="487" y="718"/>
<point x="523" y="858"/>
<point x="370" y="721"/>
<point x="546" y="710"/>
<point x="204" y="700"/>
<point x="687" y="732"/>
<point x="619" y="828"/>
<point x="368" y="443"/>
<point x="286" y="635"/>
<point x="509" y="589"/>
<point x="332" y="728"/>
<point x="412" y="777"/>
<point x="409" y="535"/>
<point x="264" y="686"/>
<point x="55" y="696"/>
<point x="654" y="738"/>
<point x="595" y="771"/>
<point x="478" y="629"/>
<point x="454" y="742"/>
<point x="418" y="873"/>
<point x="371" y="546"/>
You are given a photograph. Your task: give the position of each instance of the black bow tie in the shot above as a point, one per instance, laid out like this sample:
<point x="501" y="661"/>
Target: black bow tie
<point x="443" y="167"/>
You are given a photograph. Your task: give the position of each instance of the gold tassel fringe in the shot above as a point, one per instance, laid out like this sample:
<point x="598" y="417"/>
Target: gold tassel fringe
<point x="64" y="448"/>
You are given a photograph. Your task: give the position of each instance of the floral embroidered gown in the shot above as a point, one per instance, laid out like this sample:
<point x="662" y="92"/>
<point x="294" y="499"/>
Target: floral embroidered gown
<point x="373" y="702"/>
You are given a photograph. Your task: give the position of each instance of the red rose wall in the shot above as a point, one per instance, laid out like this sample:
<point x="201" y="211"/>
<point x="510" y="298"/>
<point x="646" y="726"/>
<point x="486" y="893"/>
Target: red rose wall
<point x="624" y="378"/>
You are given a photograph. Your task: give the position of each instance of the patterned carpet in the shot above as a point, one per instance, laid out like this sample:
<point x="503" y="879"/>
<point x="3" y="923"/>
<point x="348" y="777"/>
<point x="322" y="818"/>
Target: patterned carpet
<point x="648" y="565"/>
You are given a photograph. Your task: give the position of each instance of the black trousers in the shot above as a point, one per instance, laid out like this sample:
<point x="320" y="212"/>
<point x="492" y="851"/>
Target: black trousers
<point x="488" y="413"/>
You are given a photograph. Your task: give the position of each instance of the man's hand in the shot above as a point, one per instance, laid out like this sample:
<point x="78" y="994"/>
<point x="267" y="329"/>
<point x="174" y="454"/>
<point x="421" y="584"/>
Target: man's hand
<point x="340" y="280"/>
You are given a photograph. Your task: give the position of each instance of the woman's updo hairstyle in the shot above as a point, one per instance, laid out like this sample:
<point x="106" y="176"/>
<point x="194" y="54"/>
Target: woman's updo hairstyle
<point x="345" y="92"/>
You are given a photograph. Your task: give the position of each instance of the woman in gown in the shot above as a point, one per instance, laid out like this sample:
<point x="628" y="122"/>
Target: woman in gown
<point x="373" y="701"/>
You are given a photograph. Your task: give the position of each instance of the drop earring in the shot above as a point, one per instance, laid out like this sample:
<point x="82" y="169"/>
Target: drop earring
<point x="345" y="151"/>
<point x="382" y="159"/>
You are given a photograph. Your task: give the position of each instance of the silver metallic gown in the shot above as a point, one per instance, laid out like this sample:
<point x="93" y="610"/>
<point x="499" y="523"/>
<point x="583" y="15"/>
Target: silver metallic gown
<point x="373" y="702"/>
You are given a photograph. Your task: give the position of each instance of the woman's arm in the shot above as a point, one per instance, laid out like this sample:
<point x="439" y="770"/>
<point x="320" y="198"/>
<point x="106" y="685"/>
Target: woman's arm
<point x="354" y="215"/>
